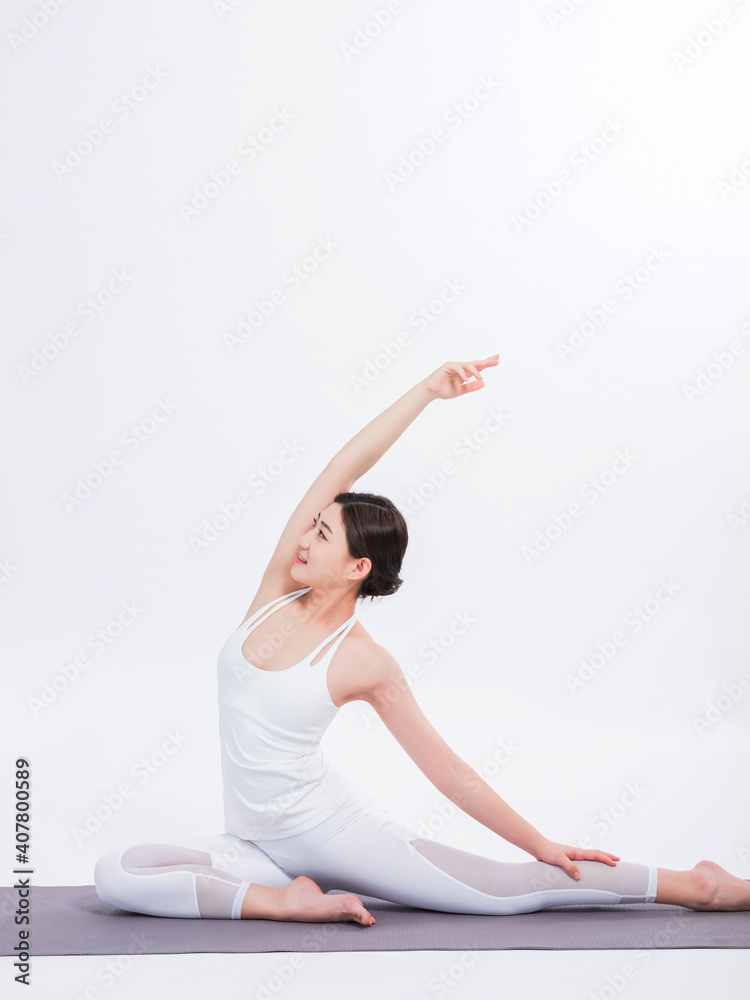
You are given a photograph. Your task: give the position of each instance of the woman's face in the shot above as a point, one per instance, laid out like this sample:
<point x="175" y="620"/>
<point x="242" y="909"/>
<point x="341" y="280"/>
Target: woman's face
<point x="324" y="549"/>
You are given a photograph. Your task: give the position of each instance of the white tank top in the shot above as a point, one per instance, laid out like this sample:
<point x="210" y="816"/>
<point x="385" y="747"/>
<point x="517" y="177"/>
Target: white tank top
<point x="271" y="723"/>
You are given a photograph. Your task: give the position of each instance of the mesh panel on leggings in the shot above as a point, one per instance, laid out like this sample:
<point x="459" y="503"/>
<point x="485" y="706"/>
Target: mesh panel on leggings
<point x="153" y="855"/>
<point x="500" y="878"/>
<point x="219" y="895"/>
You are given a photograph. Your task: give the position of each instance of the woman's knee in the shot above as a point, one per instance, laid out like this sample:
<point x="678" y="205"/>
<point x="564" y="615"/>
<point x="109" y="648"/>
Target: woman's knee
<point x="108" y="874"/>
<point x="114" y="870"/>
<point x="156" y="879"/>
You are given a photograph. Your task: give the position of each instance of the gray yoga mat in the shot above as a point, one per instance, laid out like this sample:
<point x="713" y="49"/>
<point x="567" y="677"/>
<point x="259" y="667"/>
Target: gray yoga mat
<point x="72" y="920"/>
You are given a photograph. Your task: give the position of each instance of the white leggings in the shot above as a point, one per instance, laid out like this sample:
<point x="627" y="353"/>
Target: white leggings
<point x="372" y="855"/>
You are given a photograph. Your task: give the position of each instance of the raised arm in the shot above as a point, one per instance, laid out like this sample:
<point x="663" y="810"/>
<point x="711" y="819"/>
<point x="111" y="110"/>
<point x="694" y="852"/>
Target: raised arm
<point x="373" y="441"/>
<point x="360" y="454"/>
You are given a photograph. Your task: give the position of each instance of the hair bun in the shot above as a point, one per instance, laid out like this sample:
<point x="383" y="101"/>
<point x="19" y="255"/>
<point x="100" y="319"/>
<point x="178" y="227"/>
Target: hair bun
<point x="376" y="530"/>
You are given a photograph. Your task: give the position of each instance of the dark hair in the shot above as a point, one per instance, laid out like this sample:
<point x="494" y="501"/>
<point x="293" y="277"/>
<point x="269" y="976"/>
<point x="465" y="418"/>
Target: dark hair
<point x="375" y="528"/>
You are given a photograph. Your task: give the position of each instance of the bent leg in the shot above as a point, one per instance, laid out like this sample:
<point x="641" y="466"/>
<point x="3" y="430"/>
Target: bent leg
<point x="242" y="858"/>
<point x="171" y="880"/>
<point x="380" y="857"/>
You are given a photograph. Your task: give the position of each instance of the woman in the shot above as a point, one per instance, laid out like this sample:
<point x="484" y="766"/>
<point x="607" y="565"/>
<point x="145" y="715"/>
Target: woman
<point x="292" y="823"/>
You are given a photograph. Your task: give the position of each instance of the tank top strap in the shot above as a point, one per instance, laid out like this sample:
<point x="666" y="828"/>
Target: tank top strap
<point x="338" y="636"/>
<point x="268" y="609"/>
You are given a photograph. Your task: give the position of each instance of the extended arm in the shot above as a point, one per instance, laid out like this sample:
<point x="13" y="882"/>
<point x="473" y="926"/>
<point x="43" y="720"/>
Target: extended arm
<point x="390" y="695"/>
<point x="360" y="454"/>
<point x="385" y="688"/>
<point x="373" y="441"/>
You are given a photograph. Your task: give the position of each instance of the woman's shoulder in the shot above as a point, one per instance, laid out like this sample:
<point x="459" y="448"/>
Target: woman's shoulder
<point x="356" y="667"/>
<point x="363" y="656"/>
<point x="362" y="643"/>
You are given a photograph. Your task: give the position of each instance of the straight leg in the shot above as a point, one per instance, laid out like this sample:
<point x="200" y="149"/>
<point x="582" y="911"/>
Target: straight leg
<point x="708" y="886"/>
<point x="375" y="855"/>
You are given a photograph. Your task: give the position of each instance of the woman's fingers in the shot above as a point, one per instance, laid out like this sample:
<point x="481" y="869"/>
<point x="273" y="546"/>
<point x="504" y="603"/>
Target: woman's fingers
<point x="454" y="378"/>
<point x="605" y="856"/>
<point x="571" y="869"/>
<point x="465" y="372"/>
<point x="590" y="855"/>
<point x="493" y="359"/>
<point x="477" y="383"/>
<point x="562" y="855"/>
<point x="474" y="368"/>
<point x="563" y="858"/>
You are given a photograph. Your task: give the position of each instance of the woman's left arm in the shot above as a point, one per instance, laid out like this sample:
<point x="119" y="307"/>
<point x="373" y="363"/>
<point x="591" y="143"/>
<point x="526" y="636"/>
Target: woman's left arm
<point x="452" y="379"/>
<point x="474" y="796"/>
<point x="384" y="686"/>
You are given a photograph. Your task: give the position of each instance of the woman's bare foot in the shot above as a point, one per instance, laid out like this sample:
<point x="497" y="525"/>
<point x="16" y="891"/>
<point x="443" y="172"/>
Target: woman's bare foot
<point x="303" y="899"/>
<point x="719" y="889"/>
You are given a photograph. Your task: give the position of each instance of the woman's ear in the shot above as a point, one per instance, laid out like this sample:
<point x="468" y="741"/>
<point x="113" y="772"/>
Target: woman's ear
<point x="361" y="570"/>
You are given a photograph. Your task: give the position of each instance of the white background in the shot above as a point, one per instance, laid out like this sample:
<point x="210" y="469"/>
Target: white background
<point x="653" y="207"/>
